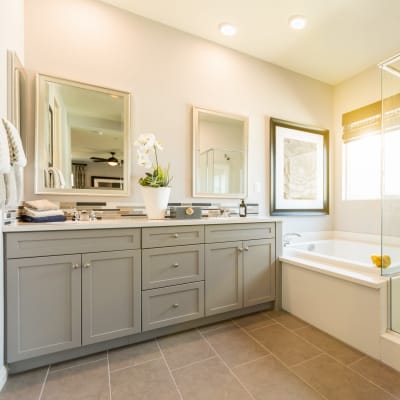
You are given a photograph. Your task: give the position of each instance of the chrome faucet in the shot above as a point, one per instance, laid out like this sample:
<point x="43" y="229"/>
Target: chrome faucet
<point x="288" y="236"/>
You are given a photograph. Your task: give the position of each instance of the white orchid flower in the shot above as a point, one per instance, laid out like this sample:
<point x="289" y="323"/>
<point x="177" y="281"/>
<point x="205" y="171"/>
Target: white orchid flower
<point x="146" y="140"/>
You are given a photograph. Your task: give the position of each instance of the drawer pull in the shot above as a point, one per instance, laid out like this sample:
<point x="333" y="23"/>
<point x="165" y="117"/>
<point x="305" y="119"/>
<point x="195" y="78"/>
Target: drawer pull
<point x="176" y="305"/>
<point x="86" y="265"/>
<point x="175" y="265"/>
<point x="75" y="266"/>
<point x="246" y="249"/>
<point x="175" y="235"/>
<point x="240" y="249"/>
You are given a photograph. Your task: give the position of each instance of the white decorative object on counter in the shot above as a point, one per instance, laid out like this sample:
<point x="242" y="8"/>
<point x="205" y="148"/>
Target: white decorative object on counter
<point x="156" y="201"/>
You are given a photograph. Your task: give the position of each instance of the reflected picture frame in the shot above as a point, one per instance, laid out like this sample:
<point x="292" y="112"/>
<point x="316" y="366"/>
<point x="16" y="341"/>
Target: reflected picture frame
<point x="299" y="169"/>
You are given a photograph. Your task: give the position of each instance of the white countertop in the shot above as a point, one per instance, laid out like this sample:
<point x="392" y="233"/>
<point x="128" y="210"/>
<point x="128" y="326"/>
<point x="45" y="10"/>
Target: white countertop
<point x="129" y="222"/>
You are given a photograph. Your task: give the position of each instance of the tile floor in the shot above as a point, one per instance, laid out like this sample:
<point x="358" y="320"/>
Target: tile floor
<point x="269" y="355"/>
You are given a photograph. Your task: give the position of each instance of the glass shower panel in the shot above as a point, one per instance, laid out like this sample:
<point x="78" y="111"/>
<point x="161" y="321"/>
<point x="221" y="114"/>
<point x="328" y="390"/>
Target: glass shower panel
<point x="390" y="162"/>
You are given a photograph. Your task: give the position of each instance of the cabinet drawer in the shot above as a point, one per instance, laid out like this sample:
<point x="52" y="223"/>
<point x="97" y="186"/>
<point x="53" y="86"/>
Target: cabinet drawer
<point x="233" y="232"/>
<point x="172" y="236"/>
<point x="33" y="244"/>
<point x="172" y="305"/>
<point x="172" y="266"/>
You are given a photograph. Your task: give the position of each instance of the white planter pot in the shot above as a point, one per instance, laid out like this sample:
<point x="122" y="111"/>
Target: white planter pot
<point x="155" y="201"/>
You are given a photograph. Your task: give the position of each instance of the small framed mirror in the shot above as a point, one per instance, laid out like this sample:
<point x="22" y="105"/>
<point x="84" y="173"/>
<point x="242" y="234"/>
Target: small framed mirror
<point x="82" y="134"/>
<point x="219" y="154"/>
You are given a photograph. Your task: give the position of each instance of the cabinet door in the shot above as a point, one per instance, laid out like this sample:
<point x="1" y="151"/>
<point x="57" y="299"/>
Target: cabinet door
<point x="224" y="277"/>
<point x="111" y="295"/>
<point x="43" y="305"/>
<point x="259" y="271"/>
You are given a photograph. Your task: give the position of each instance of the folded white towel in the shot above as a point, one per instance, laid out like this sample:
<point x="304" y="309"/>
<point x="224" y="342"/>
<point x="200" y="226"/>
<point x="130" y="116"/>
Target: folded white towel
<point x="36" y="214"/>
<point x="41" y="205"/>
<point x="5" y="164"/>
<point x="17" y="154"/>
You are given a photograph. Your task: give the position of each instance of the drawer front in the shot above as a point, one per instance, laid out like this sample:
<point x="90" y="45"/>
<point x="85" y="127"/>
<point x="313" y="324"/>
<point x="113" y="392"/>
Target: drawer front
<point x="172" y="305"/>
<point x="172" y="236"/>
<point x="33" y="244"/>
<point x="233" y="232"/>
<point x="172" y="266"/>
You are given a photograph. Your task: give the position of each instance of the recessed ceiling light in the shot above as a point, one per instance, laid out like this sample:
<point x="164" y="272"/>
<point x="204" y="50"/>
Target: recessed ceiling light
<point x="227" y="29"/>
<point x="297" y="22"/>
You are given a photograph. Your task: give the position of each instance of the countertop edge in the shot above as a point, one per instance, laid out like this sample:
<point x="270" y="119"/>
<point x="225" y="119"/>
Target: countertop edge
<point x="129" y="223"/>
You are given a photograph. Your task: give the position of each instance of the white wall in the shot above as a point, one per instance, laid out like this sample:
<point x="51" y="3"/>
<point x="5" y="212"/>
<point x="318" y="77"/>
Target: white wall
<point x="167" y="72"/>
<point x="11" y="38"/>
<point x="353" y="216"/>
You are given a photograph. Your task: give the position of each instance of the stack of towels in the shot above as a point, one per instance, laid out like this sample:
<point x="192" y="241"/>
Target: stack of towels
<point x="42" y="211"/>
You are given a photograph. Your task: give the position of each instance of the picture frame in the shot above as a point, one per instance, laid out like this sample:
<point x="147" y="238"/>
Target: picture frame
<point x="101" y="182"/>
<point x="299" y="169"/>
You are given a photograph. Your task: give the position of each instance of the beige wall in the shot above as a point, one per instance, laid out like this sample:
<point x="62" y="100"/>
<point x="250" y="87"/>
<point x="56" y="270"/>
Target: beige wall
<point x="353" y="216"/>
<point x="11" y="38"/>
<point x="167" y="72"/>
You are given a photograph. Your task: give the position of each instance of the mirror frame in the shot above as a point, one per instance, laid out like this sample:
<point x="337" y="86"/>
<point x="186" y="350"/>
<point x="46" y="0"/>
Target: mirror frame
<point x="15" y="75"/>
<point x="40" y="188"/>
<point x="196" y="133"/>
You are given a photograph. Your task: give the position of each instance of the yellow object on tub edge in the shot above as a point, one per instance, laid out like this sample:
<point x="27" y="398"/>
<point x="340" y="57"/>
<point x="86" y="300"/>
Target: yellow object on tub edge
<point x="381" y="261"/>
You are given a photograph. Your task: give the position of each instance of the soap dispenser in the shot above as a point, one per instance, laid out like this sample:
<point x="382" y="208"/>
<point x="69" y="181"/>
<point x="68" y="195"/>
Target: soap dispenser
<point x="242" y="209"/>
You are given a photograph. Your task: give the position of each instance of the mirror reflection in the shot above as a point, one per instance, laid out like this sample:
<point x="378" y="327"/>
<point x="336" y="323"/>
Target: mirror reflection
<point x="220" y="154"/>
<point x="82" y="138"/>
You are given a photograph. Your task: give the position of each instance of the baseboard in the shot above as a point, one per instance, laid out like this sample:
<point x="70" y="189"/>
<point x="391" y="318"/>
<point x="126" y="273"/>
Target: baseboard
<point x="3" y="376"/>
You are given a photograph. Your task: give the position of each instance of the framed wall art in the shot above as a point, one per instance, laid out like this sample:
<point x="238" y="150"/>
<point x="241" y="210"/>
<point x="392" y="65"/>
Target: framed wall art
<point x="299" y="157"/>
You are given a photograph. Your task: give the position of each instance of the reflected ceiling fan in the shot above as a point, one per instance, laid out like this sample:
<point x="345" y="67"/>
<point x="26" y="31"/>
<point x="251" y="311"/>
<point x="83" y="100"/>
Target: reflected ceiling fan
<point x="113" y="161"/>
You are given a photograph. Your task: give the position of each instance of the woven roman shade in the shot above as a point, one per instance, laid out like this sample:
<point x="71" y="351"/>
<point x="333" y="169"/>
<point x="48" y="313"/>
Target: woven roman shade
<point x="367" y="120"/>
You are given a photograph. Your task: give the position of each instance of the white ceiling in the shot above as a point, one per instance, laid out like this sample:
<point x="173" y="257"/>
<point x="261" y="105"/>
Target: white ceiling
<point x="342" y="37"/>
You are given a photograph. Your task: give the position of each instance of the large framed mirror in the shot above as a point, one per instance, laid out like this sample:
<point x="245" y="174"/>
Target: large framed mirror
<point x="82" y="138"/>
<point x="219" y="154"/>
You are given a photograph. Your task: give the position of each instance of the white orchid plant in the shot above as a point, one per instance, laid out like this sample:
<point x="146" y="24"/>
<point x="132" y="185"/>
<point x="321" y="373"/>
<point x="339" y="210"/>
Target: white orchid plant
<point x="148" y="146"/>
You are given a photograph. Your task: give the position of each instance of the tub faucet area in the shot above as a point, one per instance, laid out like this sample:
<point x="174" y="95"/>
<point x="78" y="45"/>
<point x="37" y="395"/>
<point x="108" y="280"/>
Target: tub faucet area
<point x="288" y="237"/>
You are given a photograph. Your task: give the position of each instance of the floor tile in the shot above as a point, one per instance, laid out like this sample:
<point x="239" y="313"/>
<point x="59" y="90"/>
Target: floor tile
<point x="268" y="379"/>
<point x="379" y="373"/>
<point x="217" y="325"/>
<point x="286" y="319"/>
<point x="78" y="361"/>
<point x="84" y="382"/>
<point x="24" y="386"/>
<point x="337" y="382"/>
<point x="234" y="346"/>
<point x="209" y="380"/>
<point x="133" y="355"/>
<point x="254" y="321"/>
<point x="329" y="344"/>
<point x="184" y="348"/>
<point x="287" y="346"/>
<point x="149" y="381"/>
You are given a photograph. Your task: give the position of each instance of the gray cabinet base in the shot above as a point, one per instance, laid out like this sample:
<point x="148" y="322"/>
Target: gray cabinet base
<point x="41" y="361"/>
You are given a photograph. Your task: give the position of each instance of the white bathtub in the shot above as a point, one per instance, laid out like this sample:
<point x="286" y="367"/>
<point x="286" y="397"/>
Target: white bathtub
<point x="347" y="254"/>
<point x="333" y="285"/>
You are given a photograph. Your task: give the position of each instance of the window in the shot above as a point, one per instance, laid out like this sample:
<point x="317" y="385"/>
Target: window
<point x="362" y="151"/>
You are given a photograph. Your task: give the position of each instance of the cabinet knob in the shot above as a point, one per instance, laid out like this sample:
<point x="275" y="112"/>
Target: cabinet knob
<point x="240" y="249"/>
<point x="87" y="265"/>
<point x="175" y="265"/>
<point x="176" y="305"/>
<point x="175" y="235"/>
<point x="75" y="266"/>
<point x="246" y="249"/>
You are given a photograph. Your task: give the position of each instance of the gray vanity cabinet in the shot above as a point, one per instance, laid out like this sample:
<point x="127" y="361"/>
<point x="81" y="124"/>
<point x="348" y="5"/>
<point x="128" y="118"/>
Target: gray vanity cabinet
<point x="258" y="271"/>
<point x="224" y="277"/>
<point x="239" y="273"/>
<point x="60" y="297"/>
<point x="172" y="275"/>
<point x="43" y="305"/>
<point x="111" y="295"/>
